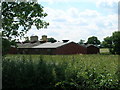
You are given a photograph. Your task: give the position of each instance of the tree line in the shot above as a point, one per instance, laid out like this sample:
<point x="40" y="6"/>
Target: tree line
<point x="112" y="42"/>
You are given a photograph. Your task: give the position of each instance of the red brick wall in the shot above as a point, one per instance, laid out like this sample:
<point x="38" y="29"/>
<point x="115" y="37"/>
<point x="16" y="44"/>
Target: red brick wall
<point x="71" y="48"/>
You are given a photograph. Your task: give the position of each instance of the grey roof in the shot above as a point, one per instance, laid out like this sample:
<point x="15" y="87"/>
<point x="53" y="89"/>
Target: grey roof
<point x="87" y="45"/>
<point x="50" y="45"/>
<point x="27" y="45"/>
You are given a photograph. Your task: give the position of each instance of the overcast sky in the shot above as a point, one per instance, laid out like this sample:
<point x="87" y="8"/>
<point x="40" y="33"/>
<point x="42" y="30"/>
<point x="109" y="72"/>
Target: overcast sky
<point x="79" y="19"/>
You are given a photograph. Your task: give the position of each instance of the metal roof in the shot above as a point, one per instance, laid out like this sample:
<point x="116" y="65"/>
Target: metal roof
<point x="88" y="45"/>
<point x="50" y="45"/>
<point x="27" y="45"/>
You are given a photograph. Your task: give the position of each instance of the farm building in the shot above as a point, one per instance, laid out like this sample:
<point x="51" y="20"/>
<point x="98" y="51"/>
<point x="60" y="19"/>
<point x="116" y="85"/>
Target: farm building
<point x="34" y="46"/>
<point x="56" y="48"/>
<point x="91" y="49"/>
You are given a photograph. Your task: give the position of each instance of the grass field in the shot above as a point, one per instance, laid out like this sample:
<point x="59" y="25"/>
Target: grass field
<point x="99" y="62"/>
<point x="66" y="72"/>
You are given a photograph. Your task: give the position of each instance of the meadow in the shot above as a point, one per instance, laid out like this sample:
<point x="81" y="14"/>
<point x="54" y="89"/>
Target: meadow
<point x="66" y="72"/>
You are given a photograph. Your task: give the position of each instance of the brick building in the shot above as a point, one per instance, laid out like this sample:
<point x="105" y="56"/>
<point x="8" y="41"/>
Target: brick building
<point x="56" y="48"/>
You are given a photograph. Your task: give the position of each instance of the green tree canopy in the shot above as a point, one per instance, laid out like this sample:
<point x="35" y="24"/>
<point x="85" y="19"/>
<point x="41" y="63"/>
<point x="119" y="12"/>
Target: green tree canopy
<point x="93" y="40"/>
<point x="51" y="40"/>
<point x="107" y="42"/>
<point x="81" y="41"/>
<point x="113" y="43"/>
<point x="19" y="17"/>
<point x="116" y="42"/>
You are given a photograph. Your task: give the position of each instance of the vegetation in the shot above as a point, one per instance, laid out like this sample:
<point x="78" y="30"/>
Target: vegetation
<point x="107" y="43"/>
<point x="52" y="40"/>
<point x="19" y="17"/>
<point x="21" y="14"/>
<point x="93" y="40"/>
<point x="113" y="43"/>
<point x="81" y="41"/>
<point x="74" y="72"/>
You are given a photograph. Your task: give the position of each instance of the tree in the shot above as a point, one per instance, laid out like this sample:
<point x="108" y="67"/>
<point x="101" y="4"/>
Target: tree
<point x="93" y="40"/>
<point x="19" y="17"/>
<point x="113" y="43"/>
<point x="107" y="43"/>
<point x="116" y="42"/>
<point x="81" y="41"/>
<point x="51" y="40"/>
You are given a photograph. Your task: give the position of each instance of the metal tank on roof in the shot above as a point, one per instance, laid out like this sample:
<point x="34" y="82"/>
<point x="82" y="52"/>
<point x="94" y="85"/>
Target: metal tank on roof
<point x="44" y="38"/>
<point x="34" y="38"/>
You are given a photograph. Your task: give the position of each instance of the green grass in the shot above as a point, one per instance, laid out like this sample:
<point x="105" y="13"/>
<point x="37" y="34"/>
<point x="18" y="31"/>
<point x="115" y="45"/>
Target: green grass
<point x="100" y="62"/>
<point x="63" y="71"/>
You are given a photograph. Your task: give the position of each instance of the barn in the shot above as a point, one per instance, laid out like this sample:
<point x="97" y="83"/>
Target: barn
<point x="91" y="49"/>
<point x="56" y="48"/>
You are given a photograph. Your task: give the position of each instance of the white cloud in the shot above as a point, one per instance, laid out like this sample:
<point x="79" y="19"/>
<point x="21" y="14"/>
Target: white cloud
<point x="109" y="5"/>
<point x="89" y="13"/>
<point x="75" y="25"/>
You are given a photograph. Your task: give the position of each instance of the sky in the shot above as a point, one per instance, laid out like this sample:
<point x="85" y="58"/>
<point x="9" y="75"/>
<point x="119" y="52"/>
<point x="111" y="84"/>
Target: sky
<point x="78" y="19"/>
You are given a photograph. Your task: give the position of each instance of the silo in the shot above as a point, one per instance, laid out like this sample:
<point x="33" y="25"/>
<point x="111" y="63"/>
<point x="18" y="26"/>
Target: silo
<point x="34" y="38"/>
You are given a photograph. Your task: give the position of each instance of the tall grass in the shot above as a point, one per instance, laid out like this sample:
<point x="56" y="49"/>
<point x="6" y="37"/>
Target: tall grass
<point x="60" y="72"/>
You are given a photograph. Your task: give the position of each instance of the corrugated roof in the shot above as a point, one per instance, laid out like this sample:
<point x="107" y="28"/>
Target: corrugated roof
<point x="87" y="45"/>
<point x="27" y="45"/>
<point x="50" y="45"/>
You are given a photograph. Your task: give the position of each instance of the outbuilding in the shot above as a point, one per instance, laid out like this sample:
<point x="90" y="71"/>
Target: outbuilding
<point x="55" y="48"/>
<point x="91" y="49"/>
<point x="58" y="48"/>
